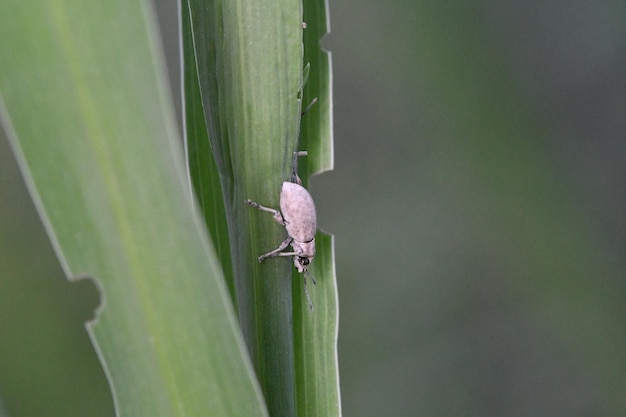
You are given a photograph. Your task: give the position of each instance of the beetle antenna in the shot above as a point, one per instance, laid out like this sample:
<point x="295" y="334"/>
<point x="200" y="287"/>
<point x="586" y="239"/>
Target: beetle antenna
<point x="308" y="274"/>
<point x="309" y="106"/>
<point x="306" y="291"/>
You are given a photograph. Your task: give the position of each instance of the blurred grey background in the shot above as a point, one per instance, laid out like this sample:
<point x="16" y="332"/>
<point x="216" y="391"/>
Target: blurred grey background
<point x="477" y="203"/>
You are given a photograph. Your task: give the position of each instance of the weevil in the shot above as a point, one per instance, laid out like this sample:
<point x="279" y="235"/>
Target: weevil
<point x="297" y="214"/>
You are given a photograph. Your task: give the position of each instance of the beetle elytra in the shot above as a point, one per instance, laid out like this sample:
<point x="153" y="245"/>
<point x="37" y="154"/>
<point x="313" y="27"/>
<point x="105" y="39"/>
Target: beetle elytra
<point x="297" y="215"/>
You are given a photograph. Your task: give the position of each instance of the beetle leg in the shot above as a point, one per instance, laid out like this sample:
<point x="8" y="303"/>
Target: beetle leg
<point x="309" y="107"/>
<point x="277" y="216"/>
<point x="277" y="251"/>
<point x="294" y="170"/>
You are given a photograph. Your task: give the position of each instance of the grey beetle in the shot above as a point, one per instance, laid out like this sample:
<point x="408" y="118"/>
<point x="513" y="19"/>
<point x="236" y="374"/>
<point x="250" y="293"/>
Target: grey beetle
<point x="297" y="214"/>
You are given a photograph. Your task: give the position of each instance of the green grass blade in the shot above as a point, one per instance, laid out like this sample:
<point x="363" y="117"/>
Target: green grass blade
<point x="317" y="387"/>
<point x="249" y="65"/>
<point x="250" y="79"/>
<point x="85" y="108"/>
<point x="200" y="161"/>
<point x="316" y="134"/>
<point x="317" y="383"/>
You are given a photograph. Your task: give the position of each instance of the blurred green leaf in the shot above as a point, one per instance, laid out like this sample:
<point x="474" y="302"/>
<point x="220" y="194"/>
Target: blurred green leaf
<point x="85" y="108"/>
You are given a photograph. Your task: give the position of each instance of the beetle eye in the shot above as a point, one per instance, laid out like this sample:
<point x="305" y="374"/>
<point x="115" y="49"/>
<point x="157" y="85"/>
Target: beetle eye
<point x="304" y="261"/>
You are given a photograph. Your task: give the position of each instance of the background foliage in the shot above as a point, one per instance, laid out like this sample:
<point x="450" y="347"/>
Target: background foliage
<point x="478" y="202"/>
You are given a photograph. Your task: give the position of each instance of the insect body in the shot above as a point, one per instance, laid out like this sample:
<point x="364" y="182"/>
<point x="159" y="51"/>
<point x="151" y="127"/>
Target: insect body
<point x="297" y="214"/>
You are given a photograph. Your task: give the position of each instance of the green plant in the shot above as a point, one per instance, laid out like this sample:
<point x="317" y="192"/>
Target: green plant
<point x="85" y="106"/>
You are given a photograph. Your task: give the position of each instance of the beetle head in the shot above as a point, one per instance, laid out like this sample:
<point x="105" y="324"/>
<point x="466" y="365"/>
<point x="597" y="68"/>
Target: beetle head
<point x="302" y="263"/>
<point x="305" y="251"/>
